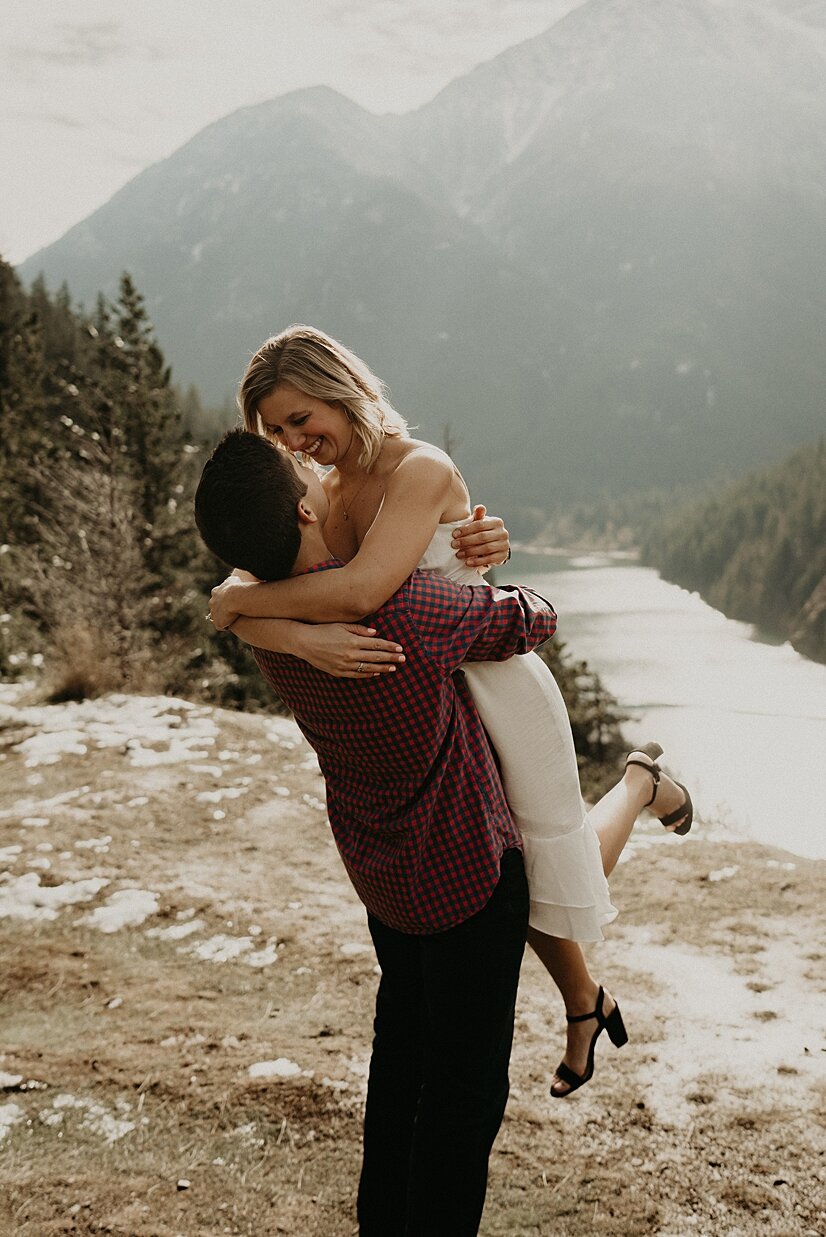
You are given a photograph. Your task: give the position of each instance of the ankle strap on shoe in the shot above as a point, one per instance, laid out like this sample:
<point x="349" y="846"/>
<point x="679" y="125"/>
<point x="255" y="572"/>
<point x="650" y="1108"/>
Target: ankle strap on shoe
<point x="596" y="1013"/>
<point x="653" y="769"/>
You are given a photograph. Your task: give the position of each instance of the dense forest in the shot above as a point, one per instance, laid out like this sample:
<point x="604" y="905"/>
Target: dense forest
<point x="610" y="522"/>
<point x="103" y="580"/>
<point x="757" y="550"/>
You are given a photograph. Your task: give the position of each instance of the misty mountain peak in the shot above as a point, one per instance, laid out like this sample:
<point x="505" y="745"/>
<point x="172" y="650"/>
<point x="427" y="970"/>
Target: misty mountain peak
<point x="718" y="75"/>
<point x="614" y="228"/>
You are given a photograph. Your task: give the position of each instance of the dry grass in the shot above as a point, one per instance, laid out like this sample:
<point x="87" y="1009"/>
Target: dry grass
<point x="673" y="1137"/>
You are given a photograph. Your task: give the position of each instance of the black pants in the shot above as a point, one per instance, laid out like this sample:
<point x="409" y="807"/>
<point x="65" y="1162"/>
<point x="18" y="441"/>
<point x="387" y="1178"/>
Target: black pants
<point x="439" y="1070"/>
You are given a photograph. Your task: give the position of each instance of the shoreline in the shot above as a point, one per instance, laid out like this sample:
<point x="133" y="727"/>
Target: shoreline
<point x="629" y="555"/>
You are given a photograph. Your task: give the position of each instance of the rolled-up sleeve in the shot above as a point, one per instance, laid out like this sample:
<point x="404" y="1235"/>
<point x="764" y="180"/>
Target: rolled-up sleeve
<point x="478" y="622"/>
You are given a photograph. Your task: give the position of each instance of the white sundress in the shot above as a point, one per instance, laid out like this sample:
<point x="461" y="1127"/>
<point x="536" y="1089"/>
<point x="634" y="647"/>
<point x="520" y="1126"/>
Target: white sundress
<point x="525" y="716"/>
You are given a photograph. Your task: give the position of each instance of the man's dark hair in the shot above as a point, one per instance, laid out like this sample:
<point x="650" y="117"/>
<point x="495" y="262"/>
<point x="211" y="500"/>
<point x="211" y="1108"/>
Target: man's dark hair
<point x="245" y="505"/>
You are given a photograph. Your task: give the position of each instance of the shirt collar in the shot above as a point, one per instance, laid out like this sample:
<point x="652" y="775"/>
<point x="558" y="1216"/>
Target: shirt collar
<point x="322" y="566"/>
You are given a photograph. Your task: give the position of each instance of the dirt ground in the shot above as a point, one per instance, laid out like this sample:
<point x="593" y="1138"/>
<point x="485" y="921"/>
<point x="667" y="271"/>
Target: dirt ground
<point x="173" y="914"/>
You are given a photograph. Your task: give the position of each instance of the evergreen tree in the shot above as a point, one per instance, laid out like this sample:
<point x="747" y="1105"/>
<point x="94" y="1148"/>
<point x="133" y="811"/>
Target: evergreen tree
<point x="595" y="717"/>
<point x="12" y="309"/>
<point x="61" y="327"/>
<point x="147" y="412"/>
<point x="24" y="448"/>
<point x="192" y="412"/>
<point x="96" y="477"/>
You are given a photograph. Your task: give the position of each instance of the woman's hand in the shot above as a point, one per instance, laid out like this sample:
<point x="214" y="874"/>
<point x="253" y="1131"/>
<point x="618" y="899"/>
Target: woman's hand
<point x="347" y="650"/>
<point x="225" y="602"/>
<point x="482" y="542"/>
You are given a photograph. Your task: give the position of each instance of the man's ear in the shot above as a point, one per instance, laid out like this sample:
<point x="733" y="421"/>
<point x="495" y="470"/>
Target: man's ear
<point x="306" y="515"/>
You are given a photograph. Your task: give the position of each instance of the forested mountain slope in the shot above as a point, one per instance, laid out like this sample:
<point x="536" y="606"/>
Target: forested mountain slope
<point x="757" y="551"/>
<point x="102" y="576"/>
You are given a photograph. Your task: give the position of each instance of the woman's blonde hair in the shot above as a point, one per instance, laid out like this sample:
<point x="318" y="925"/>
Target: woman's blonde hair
<point x="323" y="368"/>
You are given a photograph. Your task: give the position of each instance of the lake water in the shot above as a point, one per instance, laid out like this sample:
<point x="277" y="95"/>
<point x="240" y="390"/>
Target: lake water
<point x="742" y="721"/>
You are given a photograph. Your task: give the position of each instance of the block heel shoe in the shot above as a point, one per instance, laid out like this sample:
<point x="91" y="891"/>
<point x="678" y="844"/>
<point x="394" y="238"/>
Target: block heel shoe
<point x="617" y="1034"/>
<point x="685" y="812"/>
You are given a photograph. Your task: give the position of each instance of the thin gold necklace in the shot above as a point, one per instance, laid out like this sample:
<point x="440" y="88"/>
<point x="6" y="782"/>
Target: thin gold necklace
<point x="353" y="499"/>
<point x="361" y="487"/>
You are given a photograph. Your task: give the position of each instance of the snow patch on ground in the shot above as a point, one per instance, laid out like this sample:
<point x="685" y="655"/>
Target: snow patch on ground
<point x="220" y="948"/>
<point x="283" y="732"/>
<point x="224" y="948"/>
<point x="188" y="1041"/>
<point x="46" y="749"/>
<point x="720" y="1028"/>
<point x="96" y="1118"/>
<point x="225" y="792"/>
<point x="96" y="844"/>
<point x="280" y="1068"/>
<point x="151" y="730"/>
<point x="125" y="909"/>
<point x="10" y="1114"/>
<point x="14" y="690"/>
<point x="25" y="898"/>
<point x="262" y="957"/>
<point x="176" y="931"/>
<point x="178" y="751"/>
<point x="723" y="874"/>
<point x="24" y="808"/>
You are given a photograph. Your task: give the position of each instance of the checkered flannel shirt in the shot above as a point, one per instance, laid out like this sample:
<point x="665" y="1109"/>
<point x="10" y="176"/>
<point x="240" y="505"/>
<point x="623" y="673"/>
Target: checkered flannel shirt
<point x="413" y="794"/>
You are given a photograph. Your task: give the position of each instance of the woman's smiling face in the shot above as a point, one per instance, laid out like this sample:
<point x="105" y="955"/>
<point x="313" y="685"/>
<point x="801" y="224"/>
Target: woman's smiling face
<point x="302" y="423"/>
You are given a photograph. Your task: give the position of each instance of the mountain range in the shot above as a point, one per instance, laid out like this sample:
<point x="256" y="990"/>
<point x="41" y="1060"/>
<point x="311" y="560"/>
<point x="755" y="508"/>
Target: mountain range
<point x="598" y="259"/>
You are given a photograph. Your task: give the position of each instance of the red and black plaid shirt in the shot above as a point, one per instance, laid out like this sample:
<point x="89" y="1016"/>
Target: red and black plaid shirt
<point x="413" y="793"/>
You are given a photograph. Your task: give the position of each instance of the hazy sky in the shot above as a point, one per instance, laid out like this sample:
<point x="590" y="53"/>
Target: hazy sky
<point x="92" y="91"/>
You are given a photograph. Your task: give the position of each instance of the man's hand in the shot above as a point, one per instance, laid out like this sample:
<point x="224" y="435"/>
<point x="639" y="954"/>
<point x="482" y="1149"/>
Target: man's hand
<point x="482" y="542"/>
<point x="225" y="601"/>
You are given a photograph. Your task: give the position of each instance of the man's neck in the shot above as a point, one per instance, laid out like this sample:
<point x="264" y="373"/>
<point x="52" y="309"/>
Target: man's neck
<point x="313" y="551"/>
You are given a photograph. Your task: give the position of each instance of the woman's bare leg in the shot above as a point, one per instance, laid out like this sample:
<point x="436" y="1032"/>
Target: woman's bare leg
<point x="613" y="819"/>
<point x="565" y="963"/>
<point x="615" y="815"/>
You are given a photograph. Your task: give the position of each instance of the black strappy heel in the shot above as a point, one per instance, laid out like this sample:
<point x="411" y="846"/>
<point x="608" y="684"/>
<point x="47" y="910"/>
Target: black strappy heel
<point x="653" y="750"/>
<point x="617" y="1034"/>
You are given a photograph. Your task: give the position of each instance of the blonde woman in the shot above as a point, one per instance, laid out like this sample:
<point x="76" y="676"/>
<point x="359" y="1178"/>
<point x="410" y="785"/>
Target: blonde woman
<point x="395" y="504"/>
